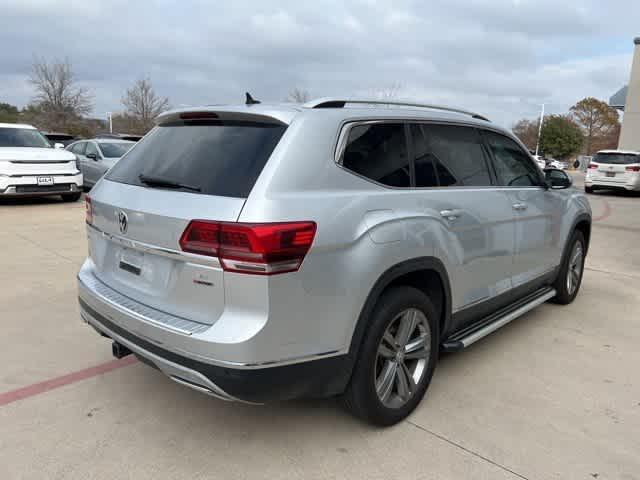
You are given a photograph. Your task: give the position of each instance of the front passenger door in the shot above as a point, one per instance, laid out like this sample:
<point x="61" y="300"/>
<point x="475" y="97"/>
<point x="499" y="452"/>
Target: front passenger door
<point x="537" y="209"/>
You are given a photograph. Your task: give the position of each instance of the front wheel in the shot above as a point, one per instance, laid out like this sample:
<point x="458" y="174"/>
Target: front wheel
<point x="570" y="276"/>
<point x="71" y="197"/>
<point x="397" y="358"/>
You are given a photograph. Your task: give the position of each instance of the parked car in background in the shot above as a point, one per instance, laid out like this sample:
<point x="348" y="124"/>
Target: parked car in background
<point x="96" y="156"/>
<point x="613" y="169"/>
<point x="30" y="166"/>
<point x="133" y="137"/>
<point x="266" y="252"/>
<point x="63" y="139"/>
<point x="541" y="162"/>
<point x="559" y="164"/>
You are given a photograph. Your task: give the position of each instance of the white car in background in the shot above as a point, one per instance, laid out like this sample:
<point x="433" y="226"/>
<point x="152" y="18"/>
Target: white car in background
<point x="613" y="169"/>
<point x="540" y="161"/>
<point x="560" y="165"/>
<point x="30" y="166"/>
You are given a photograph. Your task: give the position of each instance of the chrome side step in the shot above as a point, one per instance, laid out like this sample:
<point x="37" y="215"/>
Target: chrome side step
<point x="483" y="327"/>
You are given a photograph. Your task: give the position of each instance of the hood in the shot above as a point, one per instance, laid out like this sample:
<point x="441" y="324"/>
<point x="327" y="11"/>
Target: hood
<point x="29" y="154"/>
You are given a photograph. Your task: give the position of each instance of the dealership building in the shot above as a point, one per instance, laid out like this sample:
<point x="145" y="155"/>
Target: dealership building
<point x="628" y="100"/>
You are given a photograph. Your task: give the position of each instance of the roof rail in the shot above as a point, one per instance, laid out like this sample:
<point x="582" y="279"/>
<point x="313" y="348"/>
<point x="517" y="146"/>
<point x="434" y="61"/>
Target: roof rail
<point x="329" y="102"/>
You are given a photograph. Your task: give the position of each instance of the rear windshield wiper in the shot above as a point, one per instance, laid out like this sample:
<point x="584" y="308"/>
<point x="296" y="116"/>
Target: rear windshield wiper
<point x="154" y="181"/>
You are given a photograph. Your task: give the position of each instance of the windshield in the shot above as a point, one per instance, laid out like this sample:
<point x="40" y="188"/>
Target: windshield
<point x="617" y="158"/>
<point x="216" y="158"/>
<point x="22" y="137"/>
<point x="115" y="150"/>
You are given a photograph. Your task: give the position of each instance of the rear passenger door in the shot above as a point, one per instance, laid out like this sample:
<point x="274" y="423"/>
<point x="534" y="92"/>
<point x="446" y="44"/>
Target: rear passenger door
<point x="477" y="243"/>
<point x="537" y="210"/>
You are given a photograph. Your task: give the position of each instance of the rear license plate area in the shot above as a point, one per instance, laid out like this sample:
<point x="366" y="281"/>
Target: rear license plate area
<point x="610" y="174"/>
<point x="131" y="261"/>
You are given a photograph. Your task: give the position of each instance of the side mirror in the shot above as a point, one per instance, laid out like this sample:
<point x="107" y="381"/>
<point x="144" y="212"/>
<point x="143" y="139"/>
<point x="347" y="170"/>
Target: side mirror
<point x="92" y="156"/>
<point x="557" y="179"/>
<point x="58" y="145"/>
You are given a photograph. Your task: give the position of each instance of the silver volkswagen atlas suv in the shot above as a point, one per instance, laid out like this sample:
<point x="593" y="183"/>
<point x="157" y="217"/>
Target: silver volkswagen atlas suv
<point x="267" y="252"/>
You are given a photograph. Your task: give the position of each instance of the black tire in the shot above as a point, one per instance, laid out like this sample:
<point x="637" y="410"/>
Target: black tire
<point x="565" y="294"/>
<point x="71" y="197"/>
<point x="588" y="189"/>
<point x="361" y="397"/>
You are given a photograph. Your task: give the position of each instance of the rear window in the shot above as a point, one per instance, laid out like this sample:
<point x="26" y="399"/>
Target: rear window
<point x="617" y="158"/>
<point x="221" y="159"/>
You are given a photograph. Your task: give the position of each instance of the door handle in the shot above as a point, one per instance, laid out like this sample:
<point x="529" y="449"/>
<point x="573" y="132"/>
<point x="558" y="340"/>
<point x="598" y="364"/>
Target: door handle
<point x="519" y="206"/>
<point x="451" y="215"/>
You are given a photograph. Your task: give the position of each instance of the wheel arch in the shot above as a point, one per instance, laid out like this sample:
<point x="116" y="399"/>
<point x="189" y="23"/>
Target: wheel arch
<point x="428" y="274"/>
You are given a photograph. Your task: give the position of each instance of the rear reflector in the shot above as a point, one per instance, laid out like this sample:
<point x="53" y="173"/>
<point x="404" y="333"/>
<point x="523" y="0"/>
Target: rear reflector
<point x="258" y="248"/>
<point x="88" y="210"/>
<point x="633" y="168"/>
<point x="593" y="166"/>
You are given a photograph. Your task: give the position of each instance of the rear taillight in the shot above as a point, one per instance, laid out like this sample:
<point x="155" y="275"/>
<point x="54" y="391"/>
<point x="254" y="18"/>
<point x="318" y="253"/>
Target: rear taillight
<point x="88" y="210"/>
<point x="633" y="168"/>
<point x="258" y="248"/>
<point x="593" y="166"/>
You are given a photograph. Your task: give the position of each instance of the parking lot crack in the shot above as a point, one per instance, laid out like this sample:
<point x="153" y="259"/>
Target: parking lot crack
<point x="467" y="450"/>
<point x="33" y="242"/>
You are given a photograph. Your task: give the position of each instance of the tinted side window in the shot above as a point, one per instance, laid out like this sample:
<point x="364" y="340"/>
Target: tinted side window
<point x="91" y="148"/>
<point x="460" y="158"/>
<point x="424" y="160"/>
<point x="379" y="151"/>
<point x="513" y="166"/>
<point x="79" y="148"/>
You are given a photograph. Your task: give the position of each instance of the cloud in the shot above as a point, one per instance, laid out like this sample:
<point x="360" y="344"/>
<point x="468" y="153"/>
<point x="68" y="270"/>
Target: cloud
<point x="503" y="58"/>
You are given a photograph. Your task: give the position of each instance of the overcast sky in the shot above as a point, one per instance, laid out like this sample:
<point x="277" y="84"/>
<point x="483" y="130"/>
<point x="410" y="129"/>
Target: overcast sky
<point x="502" y="58"/>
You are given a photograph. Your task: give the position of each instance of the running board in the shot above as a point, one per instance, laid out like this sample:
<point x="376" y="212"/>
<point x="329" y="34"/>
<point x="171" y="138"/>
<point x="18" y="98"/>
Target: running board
<point x="483" y="327"/>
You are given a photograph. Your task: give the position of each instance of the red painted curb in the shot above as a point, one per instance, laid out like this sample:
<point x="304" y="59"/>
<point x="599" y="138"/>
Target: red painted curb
<point x="38" y="388"/>
<point x="605" y="214"/>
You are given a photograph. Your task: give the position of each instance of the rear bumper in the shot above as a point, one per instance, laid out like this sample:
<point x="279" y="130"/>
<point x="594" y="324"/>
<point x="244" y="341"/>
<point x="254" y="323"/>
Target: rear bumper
<point x="317" y="378"/>
<point x="185" y="352"/>
<point x="631" y="185"/>
<point x="27" y="186"/>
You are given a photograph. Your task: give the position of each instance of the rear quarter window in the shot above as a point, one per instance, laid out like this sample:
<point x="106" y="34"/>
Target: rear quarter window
<point x="223" y="159"/>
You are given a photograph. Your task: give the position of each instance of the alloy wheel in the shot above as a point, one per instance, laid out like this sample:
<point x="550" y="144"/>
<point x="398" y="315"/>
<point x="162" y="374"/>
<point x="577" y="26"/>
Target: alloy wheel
<point x="402" y="357"/>
<point x="574" y="272"/>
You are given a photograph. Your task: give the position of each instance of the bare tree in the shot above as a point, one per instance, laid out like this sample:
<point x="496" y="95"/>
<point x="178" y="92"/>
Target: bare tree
<point x="527" y="131"/>
<point x="298" y="95"/>
<point x="599" y="123"/>
<point x="58" y="97"/>
<point x="142" y="103"/>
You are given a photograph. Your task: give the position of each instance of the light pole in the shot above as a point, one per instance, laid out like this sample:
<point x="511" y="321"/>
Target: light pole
<point x="109" y="115"/>
<point x="540" y="129"/>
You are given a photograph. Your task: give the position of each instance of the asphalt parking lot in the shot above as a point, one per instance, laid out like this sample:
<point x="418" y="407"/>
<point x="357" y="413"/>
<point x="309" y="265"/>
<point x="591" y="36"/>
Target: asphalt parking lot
<point x="555" y="394"/>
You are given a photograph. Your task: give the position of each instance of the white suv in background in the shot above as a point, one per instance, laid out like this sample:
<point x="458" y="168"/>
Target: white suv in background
<point x="613" y="169"/>
<point x="30" y="166"/>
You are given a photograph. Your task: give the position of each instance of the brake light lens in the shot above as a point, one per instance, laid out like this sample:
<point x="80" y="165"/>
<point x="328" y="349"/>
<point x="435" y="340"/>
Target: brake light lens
<point x="88" y="210"/>
<point x="593" y="166"/>
<point x="633" y="168"/>
<point x="256" y="248"/>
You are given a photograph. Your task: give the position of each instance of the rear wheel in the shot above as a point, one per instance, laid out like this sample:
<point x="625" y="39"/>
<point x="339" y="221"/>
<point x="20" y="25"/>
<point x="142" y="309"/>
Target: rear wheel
<point x="397" y="358"/>
<point x="569" y="279"/>
<point x="588" y="189"/>
<point x="71" y="197"/>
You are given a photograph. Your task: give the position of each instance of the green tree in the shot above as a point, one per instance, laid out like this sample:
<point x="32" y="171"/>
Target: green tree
<point x="561" y="137"/>
<point x="8" y="113"/>
<point x="599" y="123"/>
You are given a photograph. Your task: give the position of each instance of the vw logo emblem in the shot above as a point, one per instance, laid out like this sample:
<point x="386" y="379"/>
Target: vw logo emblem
<point x="123" y="221"/>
